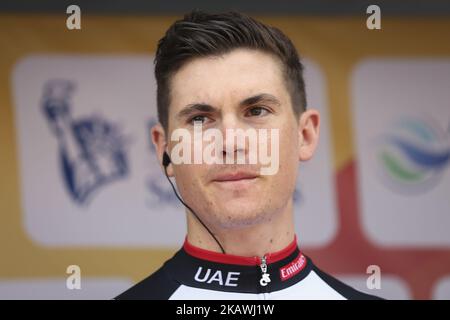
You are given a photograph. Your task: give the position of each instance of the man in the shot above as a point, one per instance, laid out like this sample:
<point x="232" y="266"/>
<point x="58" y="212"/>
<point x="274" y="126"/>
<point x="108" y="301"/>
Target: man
<point x="229" y="72"/>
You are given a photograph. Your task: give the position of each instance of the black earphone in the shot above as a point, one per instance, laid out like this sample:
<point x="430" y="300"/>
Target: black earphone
<point x="165" y="162"/>
<point x="166" y="159"/>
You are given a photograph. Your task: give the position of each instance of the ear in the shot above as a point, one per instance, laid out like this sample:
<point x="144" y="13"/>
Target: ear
<point x="159" y="140"/>
<point x="308" y="132"/>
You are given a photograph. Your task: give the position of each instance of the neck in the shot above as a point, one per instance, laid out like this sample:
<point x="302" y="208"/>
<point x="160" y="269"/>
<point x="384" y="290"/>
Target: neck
<point x="257" y="240"/>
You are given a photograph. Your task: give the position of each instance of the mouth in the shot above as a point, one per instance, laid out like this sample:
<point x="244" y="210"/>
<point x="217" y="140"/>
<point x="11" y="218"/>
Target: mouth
<point x="236" y="180"/>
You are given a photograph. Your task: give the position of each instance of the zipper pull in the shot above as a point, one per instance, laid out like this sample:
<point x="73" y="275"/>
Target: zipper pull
<point x="265" y="277"/>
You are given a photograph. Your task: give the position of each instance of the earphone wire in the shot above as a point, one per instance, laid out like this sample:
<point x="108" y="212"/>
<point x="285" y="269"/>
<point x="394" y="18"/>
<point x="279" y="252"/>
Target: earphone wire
<point x="193" y="212"/>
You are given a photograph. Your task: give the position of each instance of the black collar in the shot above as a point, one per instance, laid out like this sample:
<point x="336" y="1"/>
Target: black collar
<point x="196" y="267"/>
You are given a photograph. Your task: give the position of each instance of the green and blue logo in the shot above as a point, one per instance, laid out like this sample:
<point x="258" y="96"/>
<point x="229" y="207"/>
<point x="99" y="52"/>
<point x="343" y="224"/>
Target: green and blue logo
<point x="413" y="155"/>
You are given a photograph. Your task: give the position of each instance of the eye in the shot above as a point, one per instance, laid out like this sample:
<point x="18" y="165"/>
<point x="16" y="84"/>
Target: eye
<point x="197" y="119"/>
<point x="257" y="112"/>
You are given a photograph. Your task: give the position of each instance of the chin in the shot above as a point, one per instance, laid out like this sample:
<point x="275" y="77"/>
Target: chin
<point x="235" y="215"/>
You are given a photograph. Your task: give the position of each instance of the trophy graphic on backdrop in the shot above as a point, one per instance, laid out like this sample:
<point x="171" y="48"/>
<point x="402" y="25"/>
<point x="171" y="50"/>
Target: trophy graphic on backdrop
<point x="91" y="150"/>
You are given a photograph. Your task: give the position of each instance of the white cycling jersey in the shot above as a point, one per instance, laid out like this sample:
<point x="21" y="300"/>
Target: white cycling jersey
<point x="194" y="273"/>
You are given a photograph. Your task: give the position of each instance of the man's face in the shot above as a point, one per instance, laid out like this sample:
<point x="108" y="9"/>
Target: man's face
<point x="224" y="83"/>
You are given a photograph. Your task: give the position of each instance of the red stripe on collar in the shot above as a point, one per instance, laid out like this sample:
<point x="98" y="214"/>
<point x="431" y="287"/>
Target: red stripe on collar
<point x="238" y="260"/>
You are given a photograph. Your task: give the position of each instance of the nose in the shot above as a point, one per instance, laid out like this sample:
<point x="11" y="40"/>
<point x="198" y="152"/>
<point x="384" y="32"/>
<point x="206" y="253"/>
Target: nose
<point x="234" y="148"/>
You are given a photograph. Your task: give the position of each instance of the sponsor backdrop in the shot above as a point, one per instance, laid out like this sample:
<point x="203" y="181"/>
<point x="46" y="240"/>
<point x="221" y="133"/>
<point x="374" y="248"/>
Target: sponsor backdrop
<point x="80" y="184"/>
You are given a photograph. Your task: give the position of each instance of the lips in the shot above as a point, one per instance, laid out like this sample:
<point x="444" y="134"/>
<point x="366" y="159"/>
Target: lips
<point x="235" y="176"/>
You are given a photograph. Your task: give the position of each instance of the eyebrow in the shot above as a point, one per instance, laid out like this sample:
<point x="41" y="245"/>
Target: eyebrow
<point x="262" y="97"/>
<point x="206" y="108"/>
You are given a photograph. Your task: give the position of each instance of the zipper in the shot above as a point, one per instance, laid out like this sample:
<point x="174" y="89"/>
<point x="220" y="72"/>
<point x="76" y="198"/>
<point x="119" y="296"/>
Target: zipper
<point x="265" y="277"/>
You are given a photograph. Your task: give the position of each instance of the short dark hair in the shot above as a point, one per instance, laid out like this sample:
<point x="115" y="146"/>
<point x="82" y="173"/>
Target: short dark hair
<point x="201" y="34"/>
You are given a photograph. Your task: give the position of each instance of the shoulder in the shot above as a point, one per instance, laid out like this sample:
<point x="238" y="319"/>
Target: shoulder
<point x="344" y="290"/>
<point x="157" y="286"/>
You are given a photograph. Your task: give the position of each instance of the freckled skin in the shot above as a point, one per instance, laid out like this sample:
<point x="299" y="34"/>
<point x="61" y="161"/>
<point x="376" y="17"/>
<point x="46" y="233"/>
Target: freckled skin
<point x="198" y="79"/>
